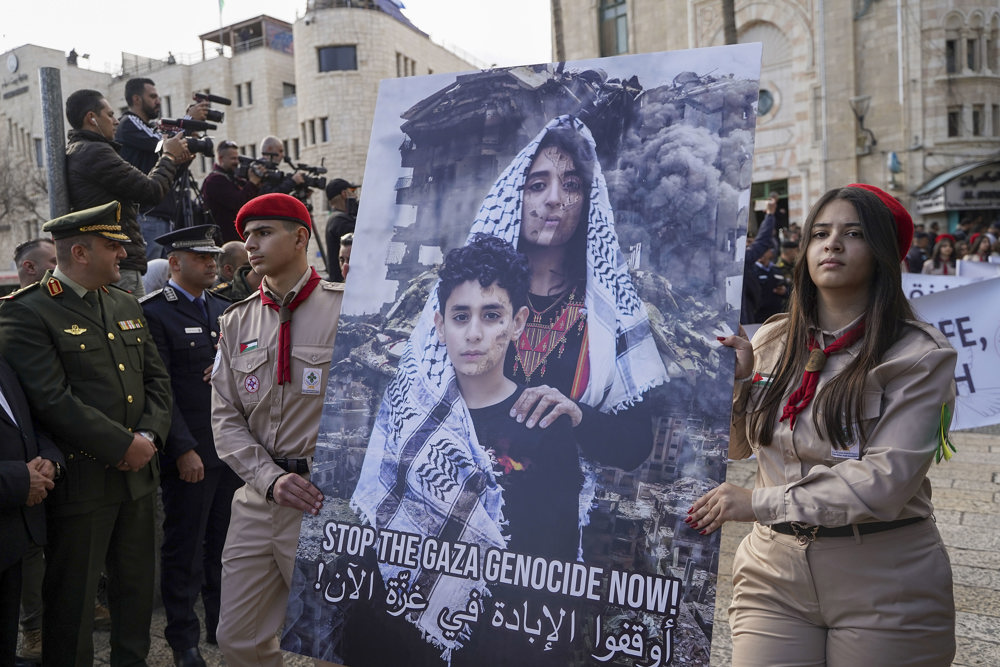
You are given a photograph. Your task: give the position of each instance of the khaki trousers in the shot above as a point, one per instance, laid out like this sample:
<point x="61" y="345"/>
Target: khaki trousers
<point x="256" y="573"/>
<point x="879" y="599"/>
<point x="257" y="564"/>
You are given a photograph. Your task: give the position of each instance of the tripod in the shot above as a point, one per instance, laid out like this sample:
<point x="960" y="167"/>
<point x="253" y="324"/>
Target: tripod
<point x="190" y="210"/>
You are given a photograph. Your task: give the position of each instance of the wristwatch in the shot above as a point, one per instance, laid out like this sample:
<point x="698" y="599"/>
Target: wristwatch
<point x="148" y="435"/>
<point x="59" y="471"/>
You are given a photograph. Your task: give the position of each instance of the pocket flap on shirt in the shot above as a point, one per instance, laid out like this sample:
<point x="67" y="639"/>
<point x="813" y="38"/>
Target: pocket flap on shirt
<point x="313" y="355"/>
<point x="249" y="361"/>
<point x="871" y="405"/>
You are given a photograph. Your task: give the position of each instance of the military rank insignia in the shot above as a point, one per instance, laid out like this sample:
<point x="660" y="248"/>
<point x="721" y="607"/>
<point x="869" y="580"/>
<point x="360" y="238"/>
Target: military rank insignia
<point x="54" y="287"/>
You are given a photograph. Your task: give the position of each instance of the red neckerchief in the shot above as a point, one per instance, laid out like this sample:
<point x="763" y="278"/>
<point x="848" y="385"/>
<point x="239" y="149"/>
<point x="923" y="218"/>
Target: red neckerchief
<point x="285" y="323"/>
<point x="803" y="396"/>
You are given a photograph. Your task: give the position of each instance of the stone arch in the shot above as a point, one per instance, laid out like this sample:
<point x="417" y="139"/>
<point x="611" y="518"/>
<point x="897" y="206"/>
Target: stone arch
<point x="787" y="16"/>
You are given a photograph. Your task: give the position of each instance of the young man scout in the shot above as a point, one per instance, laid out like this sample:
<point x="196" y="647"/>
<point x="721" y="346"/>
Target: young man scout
<point x="268" y="385"/>
<point x="90" y="370"/>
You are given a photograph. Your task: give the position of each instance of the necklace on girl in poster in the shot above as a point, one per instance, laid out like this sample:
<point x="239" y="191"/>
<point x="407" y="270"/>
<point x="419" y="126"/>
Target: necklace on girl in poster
<point x="546" y="332"/>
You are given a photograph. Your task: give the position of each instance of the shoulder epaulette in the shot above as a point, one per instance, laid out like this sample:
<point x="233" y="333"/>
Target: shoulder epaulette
<point x="120" y="289"/>
<point x="20" y="291"/>
<point x="150" y="296"/>
<point x="236" y="304"/>
<point x="221" y="286"/>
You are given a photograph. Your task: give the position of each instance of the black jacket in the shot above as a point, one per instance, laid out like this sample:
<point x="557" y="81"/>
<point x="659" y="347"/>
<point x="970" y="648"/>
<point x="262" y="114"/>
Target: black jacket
<point x="20" y="525"/>
<point x="97" y="174"/>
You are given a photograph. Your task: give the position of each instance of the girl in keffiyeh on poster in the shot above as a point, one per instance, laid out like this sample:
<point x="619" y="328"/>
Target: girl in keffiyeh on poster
<point x="587" y="352"/>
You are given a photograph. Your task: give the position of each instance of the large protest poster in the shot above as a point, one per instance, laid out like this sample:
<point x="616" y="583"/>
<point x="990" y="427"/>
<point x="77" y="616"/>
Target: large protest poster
<point x="408" y="562"/>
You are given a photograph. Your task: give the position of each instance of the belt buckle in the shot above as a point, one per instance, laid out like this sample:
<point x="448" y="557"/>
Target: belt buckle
<point x="804" y="533"/>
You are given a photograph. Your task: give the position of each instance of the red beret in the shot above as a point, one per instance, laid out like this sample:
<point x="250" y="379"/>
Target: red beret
<point x="904" y="223"/>
<point x="275" y="206"/>
<point x="942" y="237"/>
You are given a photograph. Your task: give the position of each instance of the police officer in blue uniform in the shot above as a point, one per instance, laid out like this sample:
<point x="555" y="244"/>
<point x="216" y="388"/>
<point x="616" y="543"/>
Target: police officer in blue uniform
<point x="197" y="486"/>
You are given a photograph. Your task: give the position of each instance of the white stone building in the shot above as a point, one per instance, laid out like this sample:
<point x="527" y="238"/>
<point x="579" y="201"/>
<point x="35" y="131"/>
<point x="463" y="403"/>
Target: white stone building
<point x="844" y="86"/>
<point x="312" y="83"/>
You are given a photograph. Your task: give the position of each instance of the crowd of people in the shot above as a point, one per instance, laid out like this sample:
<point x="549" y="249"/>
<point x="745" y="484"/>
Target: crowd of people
<point x="771" y="255"/>
<point x="145" y="355"/>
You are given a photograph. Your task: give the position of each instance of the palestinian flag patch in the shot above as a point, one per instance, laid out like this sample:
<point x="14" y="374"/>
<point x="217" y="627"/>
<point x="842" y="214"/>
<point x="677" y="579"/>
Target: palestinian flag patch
<point x="248" y="346"/>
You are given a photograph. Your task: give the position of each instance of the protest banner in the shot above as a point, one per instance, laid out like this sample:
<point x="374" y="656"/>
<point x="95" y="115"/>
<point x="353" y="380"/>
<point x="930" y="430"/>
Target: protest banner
<point x="448" y="535"/>
<point x="916" y="285"/>
<point x="967" y="316"/>
<point x="978" y="270"/>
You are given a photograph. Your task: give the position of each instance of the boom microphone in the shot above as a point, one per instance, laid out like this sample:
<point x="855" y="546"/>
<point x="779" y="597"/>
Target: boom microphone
<point x="189" y="124"/>
<point x="206" y="97"/>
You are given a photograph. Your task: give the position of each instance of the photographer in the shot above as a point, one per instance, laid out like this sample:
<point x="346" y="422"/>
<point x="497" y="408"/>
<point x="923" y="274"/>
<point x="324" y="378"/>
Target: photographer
<point x="97" y="174"/>
<point x="139" y="147"/>
<point x="224" y="192"/>
<point x="272" y="150"/>
<point x="342" y="197"/>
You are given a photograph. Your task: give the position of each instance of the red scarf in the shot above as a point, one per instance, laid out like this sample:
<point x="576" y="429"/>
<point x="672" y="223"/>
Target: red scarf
<point x="285" y="323"/>
<point x="803" y="396"/>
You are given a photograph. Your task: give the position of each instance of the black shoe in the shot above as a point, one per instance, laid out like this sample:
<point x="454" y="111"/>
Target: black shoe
<point x="189" y="657"/>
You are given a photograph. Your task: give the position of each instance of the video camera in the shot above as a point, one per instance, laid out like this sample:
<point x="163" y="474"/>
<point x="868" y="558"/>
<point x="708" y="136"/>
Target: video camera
<point x="267" y="172"/>
<point x="201" y="145"/>
<point x="311" y="174"/>
<point x="213" y="115"/>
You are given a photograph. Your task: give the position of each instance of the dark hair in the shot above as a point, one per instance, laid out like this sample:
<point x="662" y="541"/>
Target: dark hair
<point x="135" y="87"/>
<point x="486" y="260"/>
<point x="936" y="252"/>
<point x="979" y="241"/>
<point x="25" y="247"/>
<point x="578" y="149"/>
<point x="226" y="144"/>
<point x="839" y="402"/>
<point x="347" y="239"/>
<point x="80" y="103"/>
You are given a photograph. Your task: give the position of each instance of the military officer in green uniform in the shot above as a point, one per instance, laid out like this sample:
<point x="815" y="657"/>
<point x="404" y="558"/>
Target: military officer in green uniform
<point x="244" y="283"/>
<point x="93" y="377"/>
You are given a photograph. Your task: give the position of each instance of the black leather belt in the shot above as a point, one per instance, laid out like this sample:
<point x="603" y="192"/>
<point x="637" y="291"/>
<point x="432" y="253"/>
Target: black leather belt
<point x="298" y="466"/>
<point x="807" y="533"/>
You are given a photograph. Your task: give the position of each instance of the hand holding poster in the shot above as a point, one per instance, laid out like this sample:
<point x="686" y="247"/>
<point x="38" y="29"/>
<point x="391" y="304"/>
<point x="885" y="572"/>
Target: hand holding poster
<point x="510" y="441"/>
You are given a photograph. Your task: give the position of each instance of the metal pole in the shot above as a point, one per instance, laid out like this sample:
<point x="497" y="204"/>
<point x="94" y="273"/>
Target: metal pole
<point x="54" y="132"/>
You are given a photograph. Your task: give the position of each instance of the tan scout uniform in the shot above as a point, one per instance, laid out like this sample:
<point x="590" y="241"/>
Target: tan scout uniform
<point x="880" y="598"/>
<point x="254" y="421"/>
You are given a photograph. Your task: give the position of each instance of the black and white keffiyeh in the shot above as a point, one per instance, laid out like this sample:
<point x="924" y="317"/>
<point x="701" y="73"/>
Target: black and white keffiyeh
<point x="424" y="470"/>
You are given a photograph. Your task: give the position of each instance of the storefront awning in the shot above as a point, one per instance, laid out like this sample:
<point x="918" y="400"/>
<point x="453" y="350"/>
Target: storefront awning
<point x="974" y="186"/>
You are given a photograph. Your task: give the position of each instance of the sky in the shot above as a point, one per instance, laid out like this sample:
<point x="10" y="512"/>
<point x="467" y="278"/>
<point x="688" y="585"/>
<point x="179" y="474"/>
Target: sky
<point x="519" y="33"/>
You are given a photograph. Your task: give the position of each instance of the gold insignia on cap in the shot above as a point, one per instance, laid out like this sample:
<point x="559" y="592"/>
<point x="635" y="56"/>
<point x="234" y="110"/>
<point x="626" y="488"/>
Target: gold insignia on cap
<point x="118" y="213"/>
<point x="75" y="330"/>
<point x="54" y="286"/>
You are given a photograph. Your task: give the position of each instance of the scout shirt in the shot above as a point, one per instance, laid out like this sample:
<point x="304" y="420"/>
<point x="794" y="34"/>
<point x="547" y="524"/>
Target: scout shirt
<point x="253" y="418"/>
<point x="91" y="381"/>
<point x="801" y="477"/>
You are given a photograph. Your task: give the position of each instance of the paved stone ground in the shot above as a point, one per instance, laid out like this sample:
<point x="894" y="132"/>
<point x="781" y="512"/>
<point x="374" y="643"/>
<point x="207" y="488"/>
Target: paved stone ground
<point x="966" y="495"/>
<point x="966" y="491"/>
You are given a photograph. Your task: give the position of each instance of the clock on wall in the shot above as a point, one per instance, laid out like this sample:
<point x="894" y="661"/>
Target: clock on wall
<point x="11" y="62"/>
